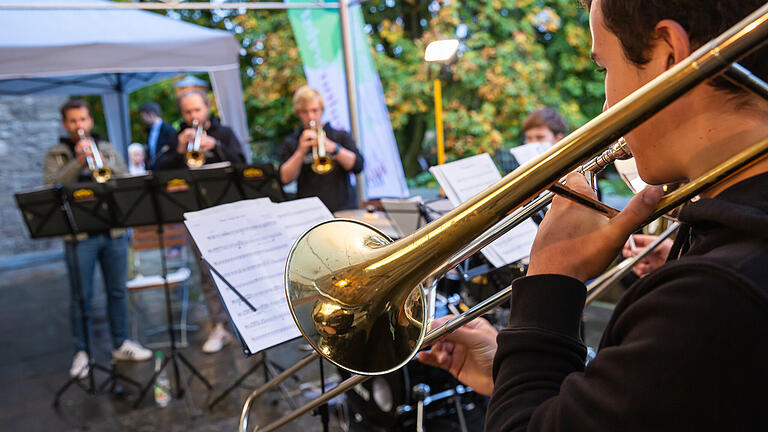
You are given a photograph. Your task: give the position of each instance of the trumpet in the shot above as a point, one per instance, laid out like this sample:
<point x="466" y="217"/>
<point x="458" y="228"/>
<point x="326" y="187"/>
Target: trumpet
<point x="322" y="163"/>
<point x="194" y="157"/>
<point x="99" y="172"/>
<point x="363" y="294"/>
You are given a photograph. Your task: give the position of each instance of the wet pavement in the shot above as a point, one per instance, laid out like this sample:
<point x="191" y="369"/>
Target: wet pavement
<point x="36" y="353"/>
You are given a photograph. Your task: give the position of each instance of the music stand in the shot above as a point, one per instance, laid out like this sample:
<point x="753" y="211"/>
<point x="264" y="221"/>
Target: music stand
<point x="254" y="181"/>
<point x="170" y="195"/>
<point x="259" y="181"/>
<point x="48" y="212"/>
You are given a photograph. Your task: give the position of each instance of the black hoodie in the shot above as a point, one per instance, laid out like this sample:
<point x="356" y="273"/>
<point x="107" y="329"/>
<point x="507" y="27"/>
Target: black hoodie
<point x="227" y="148"/>
<point x="685" y="349"/>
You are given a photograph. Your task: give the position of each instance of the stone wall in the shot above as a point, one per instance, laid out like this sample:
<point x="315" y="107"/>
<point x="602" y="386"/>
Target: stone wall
<point x="30" y="125"/>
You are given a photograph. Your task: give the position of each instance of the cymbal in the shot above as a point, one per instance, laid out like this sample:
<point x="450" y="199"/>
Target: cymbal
<point x="377" y="219"/>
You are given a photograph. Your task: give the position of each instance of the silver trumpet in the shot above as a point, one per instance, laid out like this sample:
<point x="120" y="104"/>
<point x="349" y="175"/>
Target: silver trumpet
<point x="194" y="157"/>
<point x="99" y="171"/>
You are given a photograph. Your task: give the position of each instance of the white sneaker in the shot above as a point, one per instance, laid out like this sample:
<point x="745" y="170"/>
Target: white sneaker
<point x="80" y="366"/>
<point x="217" y="339"/>
<point x="131" y="350"/>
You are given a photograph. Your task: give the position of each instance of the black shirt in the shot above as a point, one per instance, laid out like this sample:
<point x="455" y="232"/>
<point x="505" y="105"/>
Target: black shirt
<point x="334" y="188"/>
<point x="227" y="148"/>
<point x="685" y="349"/>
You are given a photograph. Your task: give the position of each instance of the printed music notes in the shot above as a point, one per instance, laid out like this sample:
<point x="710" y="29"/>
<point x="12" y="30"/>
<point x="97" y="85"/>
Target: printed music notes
<point x="248" y="242"/>
<point x="465" y="178"/>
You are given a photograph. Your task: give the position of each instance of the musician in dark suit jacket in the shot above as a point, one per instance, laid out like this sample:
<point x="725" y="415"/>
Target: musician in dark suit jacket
<point x="161" y="135"/>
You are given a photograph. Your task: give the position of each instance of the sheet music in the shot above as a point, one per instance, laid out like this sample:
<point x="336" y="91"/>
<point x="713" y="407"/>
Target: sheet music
<point x="248" y="243"/>
<point x="526" y="152"/>
<point x="252" y="203"/>
<point x="465" y="178"/>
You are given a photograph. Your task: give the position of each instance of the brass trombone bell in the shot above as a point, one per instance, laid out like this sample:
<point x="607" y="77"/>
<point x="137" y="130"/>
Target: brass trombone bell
<point x="364" y="282"/>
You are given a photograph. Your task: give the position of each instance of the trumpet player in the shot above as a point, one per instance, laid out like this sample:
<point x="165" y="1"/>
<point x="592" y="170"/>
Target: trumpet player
<point x="297" y="156"/>
<point x="687" y="345"/>
<point x="67" y="163"/>
<point x="218" y="143"/>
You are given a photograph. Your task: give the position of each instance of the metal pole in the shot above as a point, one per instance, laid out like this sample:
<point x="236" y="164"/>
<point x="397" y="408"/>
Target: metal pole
<point x="176" y="6"/>
<point x="439" y="121"/>
<point x="349" y="69"/>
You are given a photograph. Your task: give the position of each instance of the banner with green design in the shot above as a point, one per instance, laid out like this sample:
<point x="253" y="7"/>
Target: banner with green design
<point x="318" y="36"/>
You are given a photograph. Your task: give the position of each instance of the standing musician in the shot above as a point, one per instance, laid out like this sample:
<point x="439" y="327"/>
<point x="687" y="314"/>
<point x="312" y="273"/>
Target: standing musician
<point x="687" y="345"/>
<point x="66" y="163"/>
<point x="219" y="143"/>
<point x="161" y="136"/>
<point x="333" y="188"/>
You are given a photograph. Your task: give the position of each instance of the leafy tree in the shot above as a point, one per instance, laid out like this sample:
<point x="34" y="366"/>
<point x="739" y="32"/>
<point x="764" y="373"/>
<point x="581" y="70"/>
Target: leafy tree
<point x="515" y="56"/>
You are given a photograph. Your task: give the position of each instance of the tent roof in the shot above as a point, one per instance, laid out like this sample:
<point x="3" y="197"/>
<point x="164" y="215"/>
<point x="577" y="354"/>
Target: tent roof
<point x="46" y="43"/>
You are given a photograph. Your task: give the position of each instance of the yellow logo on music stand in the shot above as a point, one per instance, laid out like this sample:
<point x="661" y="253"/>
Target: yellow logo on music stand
<point x="251" y="173"/>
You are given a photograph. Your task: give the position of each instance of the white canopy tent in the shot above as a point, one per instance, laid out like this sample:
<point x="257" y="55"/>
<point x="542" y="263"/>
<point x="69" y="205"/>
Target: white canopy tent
<point x="114" y="52"/>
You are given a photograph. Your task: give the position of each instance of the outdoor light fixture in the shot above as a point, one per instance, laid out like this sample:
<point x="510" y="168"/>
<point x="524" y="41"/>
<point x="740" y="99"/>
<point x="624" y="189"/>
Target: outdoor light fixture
<point x="443" y="51"/>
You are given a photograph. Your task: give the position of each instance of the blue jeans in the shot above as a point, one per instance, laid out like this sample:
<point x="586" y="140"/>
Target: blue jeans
<point x="112" y="255"/>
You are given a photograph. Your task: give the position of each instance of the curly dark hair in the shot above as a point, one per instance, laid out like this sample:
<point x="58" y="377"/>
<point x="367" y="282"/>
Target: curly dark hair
<point x="633" y="23"/>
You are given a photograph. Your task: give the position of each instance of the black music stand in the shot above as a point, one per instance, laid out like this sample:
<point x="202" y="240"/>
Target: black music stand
<point x="170" y="195"/>
<point x="253" y="181"/>
<point x="57" y="211"/>
<point x="259" y="181"/>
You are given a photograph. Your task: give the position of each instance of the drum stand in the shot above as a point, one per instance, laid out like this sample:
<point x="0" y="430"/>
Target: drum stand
<point x="114" y="376"/>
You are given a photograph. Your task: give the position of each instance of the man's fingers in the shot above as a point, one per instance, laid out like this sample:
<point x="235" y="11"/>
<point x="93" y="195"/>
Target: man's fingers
<point x="636" y="212"/>
<point x="579" y="183"/>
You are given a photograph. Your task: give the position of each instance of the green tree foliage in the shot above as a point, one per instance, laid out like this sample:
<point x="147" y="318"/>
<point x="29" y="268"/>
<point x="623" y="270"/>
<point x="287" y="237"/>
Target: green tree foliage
<point x="515" y="56"/>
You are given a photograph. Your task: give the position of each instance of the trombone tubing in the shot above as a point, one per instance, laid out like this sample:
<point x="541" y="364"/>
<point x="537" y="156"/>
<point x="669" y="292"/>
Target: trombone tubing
<point x="674" y="199"/>
<point x="478" y="214"/>
<point x="709" y="60"/>
<point x="597" y="286"/>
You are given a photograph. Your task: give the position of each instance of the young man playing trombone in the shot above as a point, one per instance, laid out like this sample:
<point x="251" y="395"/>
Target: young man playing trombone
<point x="67" y="163"/>
<point x="687" y="345"/>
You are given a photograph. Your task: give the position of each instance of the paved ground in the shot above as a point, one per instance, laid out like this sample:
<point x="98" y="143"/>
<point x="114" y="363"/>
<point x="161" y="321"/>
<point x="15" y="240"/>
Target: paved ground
<point x="35" y="355"/>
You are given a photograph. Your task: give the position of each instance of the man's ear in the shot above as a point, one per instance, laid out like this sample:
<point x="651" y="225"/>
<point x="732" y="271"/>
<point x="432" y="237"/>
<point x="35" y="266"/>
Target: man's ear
<point x="673" y="41"/>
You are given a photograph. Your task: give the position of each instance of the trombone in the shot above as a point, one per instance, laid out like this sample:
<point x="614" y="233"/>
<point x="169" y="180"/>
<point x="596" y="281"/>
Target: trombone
<point x="99" y="171"/>
<point x="194" y="157"/>
<point x="366" y="283"/>
<point x="321" y="162"/>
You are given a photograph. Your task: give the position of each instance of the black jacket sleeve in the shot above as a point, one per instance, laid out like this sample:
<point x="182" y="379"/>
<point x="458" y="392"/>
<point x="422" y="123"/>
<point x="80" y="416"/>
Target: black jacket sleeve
<point x="166" y="136"/>
<point x="230" y="148"/>
<point x="681" y="356"/>
<point x="348" y="143"/>
<point x="169" y="160"/>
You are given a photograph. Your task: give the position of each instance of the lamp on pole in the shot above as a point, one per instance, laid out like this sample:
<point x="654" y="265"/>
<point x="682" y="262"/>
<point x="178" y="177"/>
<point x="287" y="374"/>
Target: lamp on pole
<point x="443" y="51"/>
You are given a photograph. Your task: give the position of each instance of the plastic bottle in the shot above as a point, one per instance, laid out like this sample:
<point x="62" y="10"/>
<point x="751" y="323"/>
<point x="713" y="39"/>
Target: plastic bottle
<point x="162" y="384"/>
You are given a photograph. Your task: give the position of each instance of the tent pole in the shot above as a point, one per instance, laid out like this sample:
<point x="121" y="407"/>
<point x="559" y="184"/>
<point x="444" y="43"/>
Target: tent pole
<point x="349" y="67"/>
